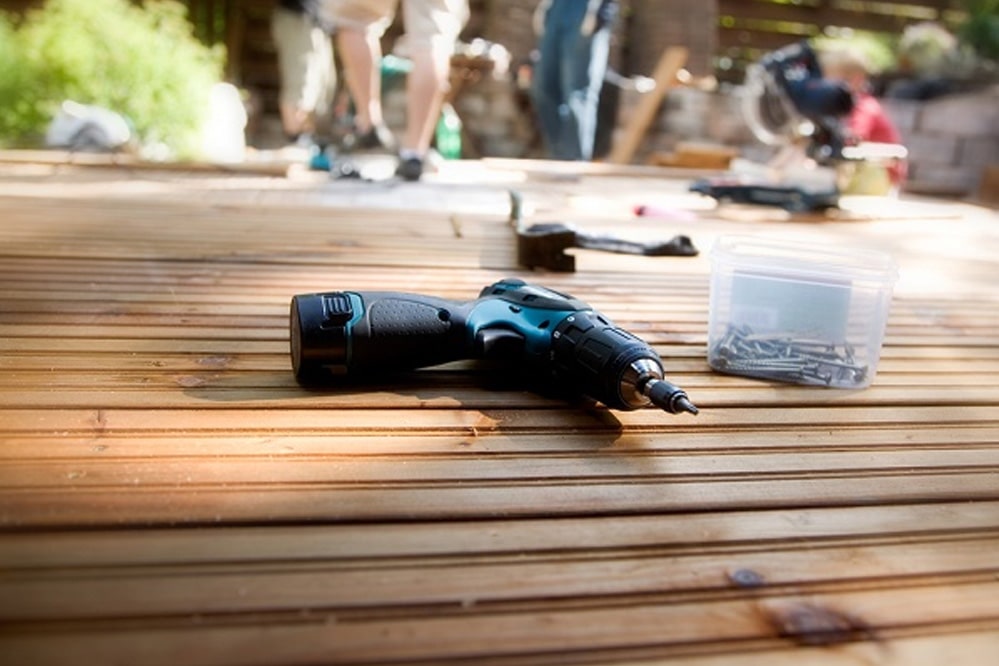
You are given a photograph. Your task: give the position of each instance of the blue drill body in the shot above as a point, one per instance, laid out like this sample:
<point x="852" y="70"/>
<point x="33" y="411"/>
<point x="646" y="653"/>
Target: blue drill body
<point x="339" y="335"/>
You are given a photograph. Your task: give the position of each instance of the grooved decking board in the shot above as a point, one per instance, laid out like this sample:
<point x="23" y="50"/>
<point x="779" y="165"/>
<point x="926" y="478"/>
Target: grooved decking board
<point x="169" y="494"/>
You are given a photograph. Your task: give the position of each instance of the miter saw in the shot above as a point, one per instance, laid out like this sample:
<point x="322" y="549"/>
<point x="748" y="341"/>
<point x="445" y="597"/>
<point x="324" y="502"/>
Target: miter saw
<point x="788" y="104"/>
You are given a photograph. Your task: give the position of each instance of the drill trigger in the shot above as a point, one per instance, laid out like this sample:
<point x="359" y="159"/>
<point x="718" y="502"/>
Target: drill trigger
<point x="499" y="343"/>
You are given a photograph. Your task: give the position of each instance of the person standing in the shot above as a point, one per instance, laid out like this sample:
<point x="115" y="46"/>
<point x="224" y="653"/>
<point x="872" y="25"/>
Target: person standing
<point x="573" y="48"/>
<point x="868" y="121"/>
<point x="305" y="61"/>
<point x="432" y="28"/>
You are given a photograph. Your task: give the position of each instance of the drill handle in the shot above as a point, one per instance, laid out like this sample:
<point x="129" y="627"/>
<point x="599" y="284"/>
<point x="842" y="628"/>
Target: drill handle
<point x="404" y="331"/>
<point x="357" y="333"/>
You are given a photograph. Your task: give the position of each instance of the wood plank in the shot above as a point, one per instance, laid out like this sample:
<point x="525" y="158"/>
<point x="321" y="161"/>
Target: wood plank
<point x="205" y="390"/>
<point x="169" y="494"/>
<point x="180" y="335"/>
<point x="670" y="63"/>
<point x="972" y="369"/>
<point x="175" y="313"/>
<point x="871" y="16"/>
<point x="97" y="421"/>
<point x="219" y="375"/>
<point x="283" y="587"/>
<point x="138" y="505"/>
<point x="924" y="9"/>
<point x="498" y="539"/>
<point x="964" y="647"/>
<point x="343" y="468"/>
<point x="988" y="186"/>
<point x="120" y="161"/>
<point x="758" y="26"/>
<point x="135" y="447"/>
<point x="466" y="632"/>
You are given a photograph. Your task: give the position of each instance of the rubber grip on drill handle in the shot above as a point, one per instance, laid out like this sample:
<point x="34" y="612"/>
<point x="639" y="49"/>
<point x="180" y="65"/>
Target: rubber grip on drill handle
<point x="386" y="332"/>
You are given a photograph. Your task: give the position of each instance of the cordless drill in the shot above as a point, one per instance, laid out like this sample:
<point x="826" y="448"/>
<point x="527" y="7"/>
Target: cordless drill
<point x="345" y="334"/>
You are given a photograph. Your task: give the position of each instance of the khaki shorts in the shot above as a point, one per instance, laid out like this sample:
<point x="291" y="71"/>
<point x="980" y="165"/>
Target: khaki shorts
<point x="425" y="21"/>
<point x="305" y="58"/>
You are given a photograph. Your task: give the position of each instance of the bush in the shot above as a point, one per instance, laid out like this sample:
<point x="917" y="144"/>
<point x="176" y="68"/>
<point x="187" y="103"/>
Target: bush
<point x="981" y="29"/>
<point x="926" y="49"/>
<point x="876" y="49"/>
<point x="141" y="61"/>
<point x="19" y="118"/>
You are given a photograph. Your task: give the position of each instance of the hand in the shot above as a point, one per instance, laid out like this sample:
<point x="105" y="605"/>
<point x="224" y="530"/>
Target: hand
<point x="606" y="13"/>
<point x="598" y="18"/>
<point x="540" y="16"/>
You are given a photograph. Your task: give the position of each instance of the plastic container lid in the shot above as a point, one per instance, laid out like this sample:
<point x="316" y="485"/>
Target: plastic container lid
<point x="786" y="258"/>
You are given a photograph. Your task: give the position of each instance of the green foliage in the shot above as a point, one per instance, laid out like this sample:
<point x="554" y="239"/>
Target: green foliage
<point x="18" y="114"/>
<point x="877" y="49"/>
<point x="926" y="49"/>
<point x="981" y="30"/>
<point x="141" y="61"/>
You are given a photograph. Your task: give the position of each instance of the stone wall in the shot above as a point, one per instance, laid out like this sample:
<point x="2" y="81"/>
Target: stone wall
<point x="951" y="139"/>
<point x="692" y="115"/>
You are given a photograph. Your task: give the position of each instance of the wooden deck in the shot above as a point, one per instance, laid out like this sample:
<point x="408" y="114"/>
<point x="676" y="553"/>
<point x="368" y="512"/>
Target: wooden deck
<point x="169" y="495"/>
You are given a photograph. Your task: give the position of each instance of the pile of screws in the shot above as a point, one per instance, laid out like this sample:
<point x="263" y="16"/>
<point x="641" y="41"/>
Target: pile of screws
<point x="787" y="358"/>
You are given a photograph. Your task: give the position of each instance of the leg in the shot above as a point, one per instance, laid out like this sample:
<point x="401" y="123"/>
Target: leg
<point x="305" y="61"/>
<point x="568" y="79"/>
<point x="361" y="53"/>
<point x="426" y="87"/>
<point x="432" y="28"/>
<point x="587" y="66"/>
<point x="546" y="90"/>
<point x="321" y="81"/>
<point x="360" y="25"/>
<point x="567" y="139"/>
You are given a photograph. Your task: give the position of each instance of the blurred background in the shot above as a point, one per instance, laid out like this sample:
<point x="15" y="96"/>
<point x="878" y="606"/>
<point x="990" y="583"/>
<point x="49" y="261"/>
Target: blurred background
<point x="933" y="62"/>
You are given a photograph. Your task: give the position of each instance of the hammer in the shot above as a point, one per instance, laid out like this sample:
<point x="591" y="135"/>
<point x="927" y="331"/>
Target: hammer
<point x="544" y="245"/>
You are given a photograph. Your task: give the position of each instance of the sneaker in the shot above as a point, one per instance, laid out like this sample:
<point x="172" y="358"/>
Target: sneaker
<point x="410" y="168"/>
<point x="378" y="138"/>
<point x="320" y="158"/>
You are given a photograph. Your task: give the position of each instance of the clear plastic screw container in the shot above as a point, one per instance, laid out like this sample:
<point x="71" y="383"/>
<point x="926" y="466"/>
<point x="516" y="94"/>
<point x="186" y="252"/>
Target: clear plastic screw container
<point x="798" y="313"/>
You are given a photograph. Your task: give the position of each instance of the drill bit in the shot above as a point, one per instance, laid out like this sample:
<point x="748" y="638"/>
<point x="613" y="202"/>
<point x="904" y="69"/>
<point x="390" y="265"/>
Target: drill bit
<point x="668" y="396"/>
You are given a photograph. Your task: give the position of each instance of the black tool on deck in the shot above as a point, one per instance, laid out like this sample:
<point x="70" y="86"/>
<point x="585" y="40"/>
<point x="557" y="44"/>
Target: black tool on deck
<point x="787" y="100"/>
<point x="543" y="245"/>
<point x="336" y="336"/>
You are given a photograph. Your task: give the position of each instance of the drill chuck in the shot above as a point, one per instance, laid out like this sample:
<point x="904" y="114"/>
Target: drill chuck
<point x="612" y="365"/>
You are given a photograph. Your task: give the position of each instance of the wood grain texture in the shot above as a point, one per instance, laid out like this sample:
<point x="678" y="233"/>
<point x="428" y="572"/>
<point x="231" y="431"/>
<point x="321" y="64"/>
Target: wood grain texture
<point x="169" y="494"/>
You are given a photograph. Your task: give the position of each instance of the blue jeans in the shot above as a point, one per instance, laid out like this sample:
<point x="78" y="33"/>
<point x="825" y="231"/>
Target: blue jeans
<point x="567" y="81"/>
